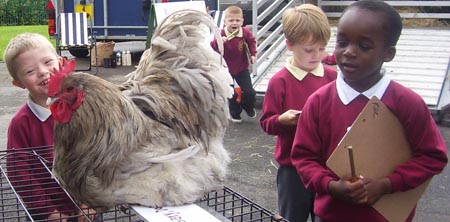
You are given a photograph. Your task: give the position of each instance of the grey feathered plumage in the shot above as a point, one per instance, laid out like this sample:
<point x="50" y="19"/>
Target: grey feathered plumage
<point x="157" y="139"/>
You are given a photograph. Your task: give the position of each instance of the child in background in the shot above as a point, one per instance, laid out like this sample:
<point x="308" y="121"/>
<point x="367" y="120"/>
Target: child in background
<point x="30" y="58"/>
<point x="236" y="39"/>
<point x="307" y="34"/>
<point x="329" y="60"/>
<point x="367" y="34"/>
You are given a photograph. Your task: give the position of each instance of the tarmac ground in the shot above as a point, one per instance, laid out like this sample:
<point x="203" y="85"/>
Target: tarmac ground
<point x="253" y="170"/>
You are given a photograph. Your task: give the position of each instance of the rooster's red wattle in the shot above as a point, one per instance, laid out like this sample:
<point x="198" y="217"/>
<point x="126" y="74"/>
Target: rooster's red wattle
<point x="68" y="100"/>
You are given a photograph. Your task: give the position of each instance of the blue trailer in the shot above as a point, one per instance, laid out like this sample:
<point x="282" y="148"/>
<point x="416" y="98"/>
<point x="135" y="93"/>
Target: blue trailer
<point x="111" y="20"/>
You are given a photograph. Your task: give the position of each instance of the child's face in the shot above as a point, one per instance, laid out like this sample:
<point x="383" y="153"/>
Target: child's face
<point x="307" y="56"/>
<point x="233" y="22"/>
<point x="361" y="48"/>
<point x="33" y="71"/>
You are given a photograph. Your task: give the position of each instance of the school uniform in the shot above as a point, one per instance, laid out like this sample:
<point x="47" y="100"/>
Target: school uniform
<point x="32" y="127"/>
<point x="326" y="116"/>
<point x="238" y="65"/>
<point x="288" y="89"/>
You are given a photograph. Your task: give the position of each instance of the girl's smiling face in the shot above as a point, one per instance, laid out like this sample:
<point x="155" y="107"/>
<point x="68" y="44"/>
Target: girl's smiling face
<point x="33" y="71"/>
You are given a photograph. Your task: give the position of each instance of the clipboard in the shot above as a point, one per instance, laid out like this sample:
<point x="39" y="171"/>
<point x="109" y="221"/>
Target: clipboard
<point x="379" y="145"/>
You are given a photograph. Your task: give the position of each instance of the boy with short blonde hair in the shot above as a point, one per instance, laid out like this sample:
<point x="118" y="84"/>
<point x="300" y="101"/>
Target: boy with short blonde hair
<point x="366" y="38"/>
<point x="19" y="45"/>
<point x="236" y="40"/>
<point x="30" y="58"/>
<point x="312" y="27"/>
<point x="307" y="33"/>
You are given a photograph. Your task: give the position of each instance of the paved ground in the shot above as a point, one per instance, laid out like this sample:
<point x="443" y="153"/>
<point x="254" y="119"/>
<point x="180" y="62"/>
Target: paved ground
<point x="252" y="172"/>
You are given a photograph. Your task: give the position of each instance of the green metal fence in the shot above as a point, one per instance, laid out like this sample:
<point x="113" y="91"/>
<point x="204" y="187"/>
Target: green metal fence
<point x="23" y="12"/>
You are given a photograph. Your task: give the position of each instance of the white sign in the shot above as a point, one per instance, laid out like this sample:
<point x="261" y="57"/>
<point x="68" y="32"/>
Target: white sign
<point x="162" y="10"/>
<point x="185" y="213"/>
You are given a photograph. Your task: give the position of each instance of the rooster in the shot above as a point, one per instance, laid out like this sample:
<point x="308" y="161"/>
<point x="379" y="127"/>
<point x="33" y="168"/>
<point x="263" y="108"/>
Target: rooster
<point x="154" y="140"/>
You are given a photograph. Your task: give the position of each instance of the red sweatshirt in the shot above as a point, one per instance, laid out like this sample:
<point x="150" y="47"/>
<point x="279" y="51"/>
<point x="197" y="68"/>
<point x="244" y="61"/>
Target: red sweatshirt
<point x="285" y="92"/>
<point x="28" y="176"/>
<point x="324" y="122"/>
<point x="234" y="51"/>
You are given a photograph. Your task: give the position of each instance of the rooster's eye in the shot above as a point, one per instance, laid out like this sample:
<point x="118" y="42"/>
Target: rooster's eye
<point x="70" y="88"/>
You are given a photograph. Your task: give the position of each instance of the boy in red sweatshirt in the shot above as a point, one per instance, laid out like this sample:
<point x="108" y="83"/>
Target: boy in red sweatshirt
<point x="238" y="41"/>
<point x="367" y="34"/>
<point x="30" y="58"/>
<point x="307" y="34"/>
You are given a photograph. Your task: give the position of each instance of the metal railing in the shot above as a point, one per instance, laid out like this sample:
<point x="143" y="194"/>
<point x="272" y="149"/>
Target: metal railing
<point x="271" y="41"/>
<point x="267" y="29"/>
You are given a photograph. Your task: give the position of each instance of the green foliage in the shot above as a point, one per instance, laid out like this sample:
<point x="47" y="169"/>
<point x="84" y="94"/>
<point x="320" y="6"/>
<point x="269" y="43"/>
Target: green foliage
<point x="8" y="32"/>
<point x="23" y="12"/>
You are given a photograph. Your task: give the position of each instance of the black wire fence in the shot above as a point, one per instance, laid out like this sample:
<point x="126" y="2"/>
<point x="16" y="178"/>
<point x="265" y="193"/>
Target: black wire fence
<point x="23" y="12"/>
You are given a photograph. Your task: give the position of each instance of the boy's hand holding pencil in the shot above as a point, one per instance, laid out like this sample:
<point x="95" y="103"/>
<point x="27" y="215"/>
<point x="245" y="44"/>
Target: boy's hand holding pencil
<point x="351" y="188"/>
<point x="358" y="189"/>
<point x="352" y="192"/>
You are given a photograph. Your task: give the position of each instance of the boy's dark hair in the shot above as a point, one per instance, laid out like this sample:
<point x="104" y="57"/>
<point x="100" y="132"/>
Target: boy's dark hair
<point x="392" y="22"/>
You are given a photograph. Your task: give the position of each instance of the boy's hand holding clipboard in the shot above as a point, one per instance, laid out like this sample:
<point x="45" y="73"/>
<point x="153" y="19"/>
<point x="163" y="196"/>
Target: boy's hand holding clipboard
<point x="378" y="146"/>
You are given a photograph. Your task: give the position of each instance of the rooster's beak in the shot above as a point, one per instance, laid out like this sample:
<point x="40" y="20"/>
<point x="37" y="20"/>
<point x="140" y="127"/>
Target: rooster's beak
<point x="52" y="100"/>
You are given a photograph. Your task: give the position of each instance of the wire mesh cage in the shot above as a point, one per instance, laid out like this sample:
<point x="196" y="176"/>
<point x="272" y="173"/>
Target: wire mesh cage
<point x="235" y="207"/>
<point x="28" y="192"/>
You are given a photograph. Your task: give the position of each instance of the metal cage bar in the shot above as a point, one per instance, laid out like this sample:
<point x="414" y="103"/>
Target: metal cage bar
<point x="225" y="204"/>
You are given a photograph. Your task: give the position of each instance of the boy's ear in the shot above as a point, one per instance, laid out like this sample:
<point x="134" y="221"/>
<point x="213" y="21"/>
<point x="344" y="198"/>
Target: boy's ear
<point x="389" y="53"/>
<point x="18" y="84"/>
<point x="289" y="45"/>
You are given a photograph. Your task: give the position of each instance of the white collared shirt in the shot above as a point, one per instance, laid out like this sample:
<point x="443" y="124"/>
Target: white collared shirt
<point x="348" y="94"/>
<point x="40" y="112"/>
<point x="230" y="35"/>
<point x="300" y="73"/>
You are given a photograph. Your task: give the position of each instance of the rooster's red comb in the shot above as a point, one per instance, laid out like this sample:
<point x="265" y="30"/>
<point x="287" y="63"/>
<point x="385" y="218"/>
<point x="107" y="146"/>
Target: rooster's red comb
<point x="56" y="78"/>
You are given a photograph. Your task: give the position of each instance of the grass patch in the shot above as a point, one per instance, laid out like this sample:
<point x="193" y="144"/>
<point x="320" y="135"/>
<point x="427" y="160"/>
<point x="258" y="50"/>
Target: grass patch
<point x="8" y="32"/>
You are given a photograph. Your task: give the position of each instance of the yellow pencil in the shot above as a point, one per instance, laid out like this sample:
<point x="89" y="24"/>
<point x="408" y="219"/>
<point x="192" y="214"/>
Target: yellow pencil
<point x="352" y="163"/>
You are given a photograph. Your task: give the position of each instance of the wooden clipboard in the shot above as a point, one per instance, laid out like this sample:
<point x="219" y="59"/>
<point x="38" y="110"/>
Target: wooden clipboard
<point x="379" y="145"/>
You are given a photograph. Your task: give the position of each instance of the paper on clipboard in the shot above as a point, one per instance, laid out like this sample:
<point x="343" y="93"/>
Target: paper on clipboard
<point x="379" y="145"/>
